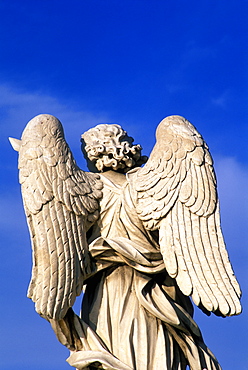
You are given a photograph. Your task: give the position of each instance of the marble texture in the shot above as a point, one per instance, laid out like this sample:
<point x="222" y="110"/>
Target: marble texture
<point x="138" y="241"/>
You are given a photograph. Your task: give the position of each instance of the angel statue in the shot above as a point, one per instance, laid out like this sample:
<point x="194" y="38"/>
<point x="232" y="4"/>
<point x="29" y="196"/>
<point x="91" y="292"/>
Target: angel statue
<point x="138" y="241"/>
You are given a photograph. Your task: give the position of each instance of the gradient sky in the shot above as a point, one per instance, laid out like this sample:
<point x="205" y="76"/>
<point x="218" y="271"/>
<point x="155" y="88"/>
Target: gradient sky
<point x="131" y="62"/>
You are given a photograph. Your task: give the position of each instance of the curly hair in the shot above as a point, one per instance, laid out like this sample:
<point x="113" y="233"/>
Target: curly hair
<point x="109" y="147"/>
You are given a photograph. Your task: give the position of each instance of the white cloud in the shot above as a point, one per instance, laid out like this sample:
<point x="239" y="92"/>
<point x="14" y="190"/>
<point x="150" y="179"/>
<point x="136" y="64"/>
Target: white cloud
<point x="17" y="107"/>
<point x="195" y="53"/>
<point x="222" y="100"/>
<point x="232" y="179"/>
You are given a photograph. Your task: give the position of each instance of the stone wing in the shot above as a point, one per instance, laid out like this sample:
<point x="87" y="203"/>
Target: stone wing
<point x="61" y="202"/>
<point x="175" y="193"/>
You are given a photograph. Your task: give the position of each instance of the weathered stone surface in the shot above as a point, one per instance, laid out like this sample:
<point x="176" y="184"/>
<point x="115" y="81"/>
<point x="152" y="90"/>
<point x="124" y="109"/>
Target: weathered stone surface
<point x="138" y="240"/>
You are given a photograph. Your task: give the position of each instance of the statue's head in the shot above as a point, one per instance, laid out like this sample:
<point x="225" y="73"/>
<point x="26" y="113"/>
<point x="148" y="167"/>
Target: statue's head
<point x="108" y="147"/>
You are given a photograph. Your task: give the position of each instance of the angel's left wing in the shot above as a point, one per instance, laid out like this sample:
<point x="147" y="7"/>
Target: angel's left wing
<point x="61" y="202"/>
<point x="175" y="193"/>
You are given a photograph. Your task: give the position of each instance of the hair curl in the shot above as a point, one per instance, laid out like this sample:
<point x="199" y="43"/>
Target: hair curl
<point x="108" y="146"/>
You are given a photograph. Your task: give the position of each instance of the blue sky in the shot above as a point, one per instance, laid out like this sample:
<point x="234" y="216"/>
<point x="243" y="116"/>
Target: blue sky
<point x="132" y="63"/>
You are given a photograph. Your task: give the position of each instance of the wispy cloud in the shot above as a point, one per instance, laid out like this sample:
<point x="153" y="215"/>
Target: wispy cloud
<point x="232" y="179"/>
<point x="222" y="100"/>
<point x="232" y="185"/>
<point x="196" y="52"/>
<point x="17" y="107"/>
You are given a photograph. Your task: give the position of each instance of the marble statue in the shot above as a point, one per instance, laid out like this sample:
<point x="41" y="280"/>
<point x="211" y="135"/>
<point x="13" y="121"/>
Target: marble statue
<point x="137" y="241"/>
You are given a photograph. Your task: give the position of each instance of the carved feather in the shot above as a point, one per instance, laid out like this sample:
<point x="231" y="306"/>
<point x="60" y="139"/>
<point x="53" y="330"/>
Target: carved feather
<point x="178" y="197"/>
<point x="61" y="202"/>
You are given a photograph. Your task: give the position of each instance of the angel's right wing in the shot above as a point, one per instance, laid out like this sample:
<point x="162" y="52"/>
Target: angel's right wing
<point x="175" y="193"/>
<point x="61" y="202"/>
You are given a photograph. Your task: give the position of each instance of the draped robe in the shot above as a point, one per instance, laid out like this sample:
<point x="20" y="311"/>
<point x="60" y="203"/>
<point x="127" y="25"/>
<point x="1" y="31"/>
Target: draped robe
<point x="134" y="316"/>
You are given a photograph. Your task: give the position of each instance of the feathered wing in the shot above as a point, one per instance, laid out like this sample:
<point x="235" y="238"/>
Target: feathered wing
<point x="60" y="202"/>
<point x="175" y="193"/>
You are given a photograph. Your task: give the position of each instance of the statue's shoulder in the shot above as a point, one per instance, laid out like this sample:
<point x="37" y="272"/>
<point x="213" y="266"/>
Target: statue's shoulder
<point x="113" y="179"/>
